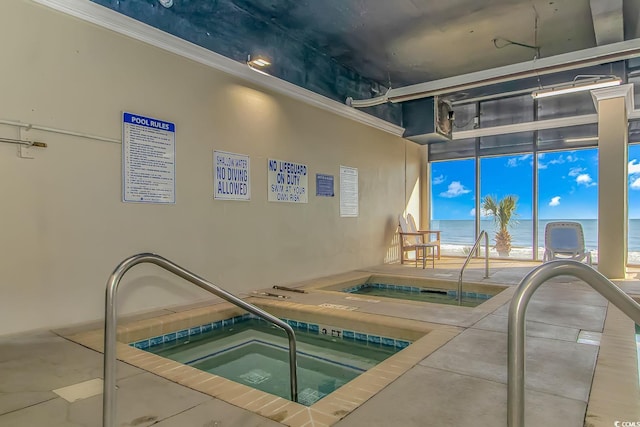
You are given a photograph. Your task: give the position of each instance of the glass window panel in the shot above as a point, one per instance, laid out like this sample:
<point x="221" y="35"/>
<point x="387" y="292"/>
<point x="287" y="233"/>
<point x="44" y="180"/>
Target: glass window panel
<point x="571" y="104"/>
<point x="452" y="204"/>
<point x="455" y="149"/>
<point x="568" y="191"/>
<point x="635" y="81"/>
<point x="506" y="144"/>
<point x="634" y="131"/>
<point x="570" y="137"/>
<point x="506" y="111"/>
<point x="633" y="197"/>
<point x="509" y="175"/>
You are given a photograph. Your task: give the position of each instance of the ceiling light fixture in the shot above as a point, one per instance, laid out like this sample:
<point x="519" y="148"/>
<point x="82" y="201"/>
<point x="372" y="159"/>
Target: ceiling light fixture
<point x="577" y="85"/>
<point x="582" y="139"/>
<point x="258" y="64"/>
<point x="166" y="3"/>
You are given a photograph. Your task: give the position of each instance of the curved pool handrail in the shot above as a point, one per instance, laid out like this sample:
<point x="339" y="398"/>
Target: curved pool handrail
<point x="111" y="318"/>
<point x="517" y="313"/>
<point x="466" y="261"/>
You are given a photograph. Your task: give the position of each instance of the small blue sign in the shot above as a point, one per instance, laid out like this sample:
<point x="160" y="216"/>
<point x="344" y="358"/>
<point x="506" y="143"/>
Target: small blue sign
<point x="324" y="185"/>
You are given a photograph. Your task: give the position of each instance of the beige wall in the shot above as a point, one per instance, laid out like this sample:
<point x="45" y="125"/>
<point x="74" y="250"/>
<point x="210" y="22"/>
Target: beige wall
<point x="64" y="227"/>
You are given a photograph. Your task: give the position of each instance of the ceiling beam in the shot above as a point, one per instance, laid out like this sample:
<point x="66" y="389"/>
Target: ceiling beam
<point x="608" y="22"/>
<point x="537" y="67"/>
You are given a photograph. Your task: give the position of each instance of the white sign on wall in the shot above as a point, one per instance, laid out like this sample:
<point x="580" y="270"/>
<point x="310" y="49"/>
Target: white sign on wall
<point x="148" y="160"/>
<point x="288" y="182"/>
<point x="231" y="176"/>
<point x="348" y="191"/>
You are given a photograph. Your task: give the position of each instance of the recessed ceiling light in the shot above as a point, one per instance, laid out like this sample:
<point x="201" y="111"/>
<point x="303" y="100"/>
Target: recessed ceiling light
<point x="166" y="3"/>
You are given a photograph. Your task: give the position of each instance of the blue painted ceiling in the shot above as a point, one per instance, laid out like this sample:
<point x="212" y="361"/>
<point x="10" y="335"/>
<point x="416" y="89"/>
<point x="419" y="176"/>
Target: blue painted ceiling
<point x="359" y="48"/>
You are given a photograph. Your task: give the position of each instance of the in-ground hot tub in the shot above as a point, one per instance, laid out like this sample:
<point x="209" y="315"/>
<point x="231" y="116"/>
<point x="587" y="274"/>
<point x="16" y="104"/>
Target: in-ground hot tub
<point x="250" y="351"/>
<point x="400" y="344"/>
<point x="419" y="289"/>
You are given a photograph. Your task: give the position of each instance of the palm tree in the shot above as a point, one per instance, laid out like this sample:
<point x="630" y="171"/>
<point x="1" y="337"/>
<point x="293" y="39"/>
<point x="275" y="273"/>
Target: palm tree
<point x="502" y="212"/>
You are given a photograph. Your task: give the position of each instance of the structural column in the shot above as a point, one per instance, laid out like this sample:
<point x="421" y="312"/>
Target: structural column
<point x="425" y="189"/>
<point x="613" y="106"/>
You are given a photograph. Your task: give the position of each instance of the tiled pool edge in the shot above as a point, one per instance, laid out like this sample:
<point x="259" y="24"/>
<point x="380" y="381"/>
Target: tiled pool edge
<point x="327" y="411"/>
<point x="335" y="285"/>
<point x="413" y="289"/>
<point x="615" y="392"/>
<point x="297" y="325"/>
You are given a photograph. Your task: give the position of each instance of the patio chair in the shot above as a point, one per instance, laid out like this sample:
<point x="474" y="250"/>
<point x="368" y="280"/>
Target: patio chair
<point x="565" y="240"/>
<point x="428" y="236"/>
<point x="410" y="239"/>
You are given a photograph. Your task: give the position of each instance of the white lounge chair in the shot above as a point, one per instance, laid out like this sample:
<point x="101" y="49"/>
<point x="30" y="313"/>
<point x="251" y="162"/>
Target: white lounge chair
<point x="565" y="240"/>
<point x="411" y="239"/>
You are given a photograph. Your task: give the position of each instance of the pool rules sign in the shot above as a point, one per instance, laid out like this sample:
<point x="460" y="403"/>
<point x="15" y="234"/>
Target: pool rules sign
<point x="148" y="160"/>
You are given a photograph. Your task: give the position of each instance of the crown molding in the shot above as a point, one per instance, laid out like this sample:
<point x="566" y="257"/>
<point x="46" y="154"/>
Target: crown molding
<point x="622" y="91"/>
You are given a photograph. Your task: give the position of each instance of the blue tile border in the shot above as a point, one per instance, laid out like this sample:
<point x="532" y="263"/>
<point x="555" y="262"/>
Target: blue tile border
<point x="156" y="340"/>
<point x="402" y="344"/>
<point x="313" y="328"/>
<point x="361" y="337"/>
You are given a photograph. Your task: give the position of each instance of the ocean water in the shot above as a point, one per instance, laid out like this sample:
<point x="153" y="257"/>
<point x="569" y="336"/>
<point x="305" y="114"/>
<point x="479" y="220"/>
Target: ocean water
<point x="461" y="232"/>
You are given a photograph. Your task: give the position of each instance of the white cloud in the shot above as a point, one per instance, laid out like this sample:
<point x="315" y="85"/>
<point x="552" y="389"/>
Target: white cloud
<point x="635" y="185"/>
<point x="555" y="201"/>
<point x="472" y="212"/>
<point x="585" y="179"/>
<point x="634" y="167"/>
<point x="439" y="179"/>
<point x="513" y="162"/>
<point x="558" y="161"/>
<point x="455" y="189"/>
<point x="576" y="171"/>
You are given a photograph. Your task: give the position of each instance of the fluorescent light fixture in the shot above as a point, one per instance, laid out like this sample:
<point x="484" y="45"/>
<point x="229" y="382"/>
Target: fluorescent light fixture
<point x="577" y="86"/>
<point x="582" y="139"/>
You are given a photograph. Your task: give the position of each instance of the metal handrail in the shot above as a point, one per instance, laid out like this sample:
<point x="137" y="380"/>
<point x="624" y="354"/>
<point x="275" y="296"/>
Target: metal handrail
<point x="486" y="261"/>
<point x="109" y="395"/>
<point x="517" y="312"/>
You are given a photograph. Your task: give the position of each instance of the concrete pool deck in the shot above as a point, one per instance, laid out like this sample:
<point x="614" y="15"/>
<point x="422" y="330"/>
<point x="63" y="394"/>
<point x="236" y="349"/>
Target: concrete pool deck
<point x="576" y="374"/>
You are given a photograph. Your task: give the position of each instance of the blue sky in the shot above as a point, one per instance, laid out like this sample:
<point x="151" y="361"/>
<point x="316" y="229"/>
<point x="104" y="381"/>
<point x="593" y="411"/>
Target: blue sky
<point x="567" y="184"/>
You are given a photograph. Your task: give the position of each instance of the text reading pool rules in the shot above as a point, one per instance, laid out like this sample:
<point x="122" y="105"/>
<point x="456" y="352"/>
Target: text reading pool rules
<point x="148" y="160"/>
